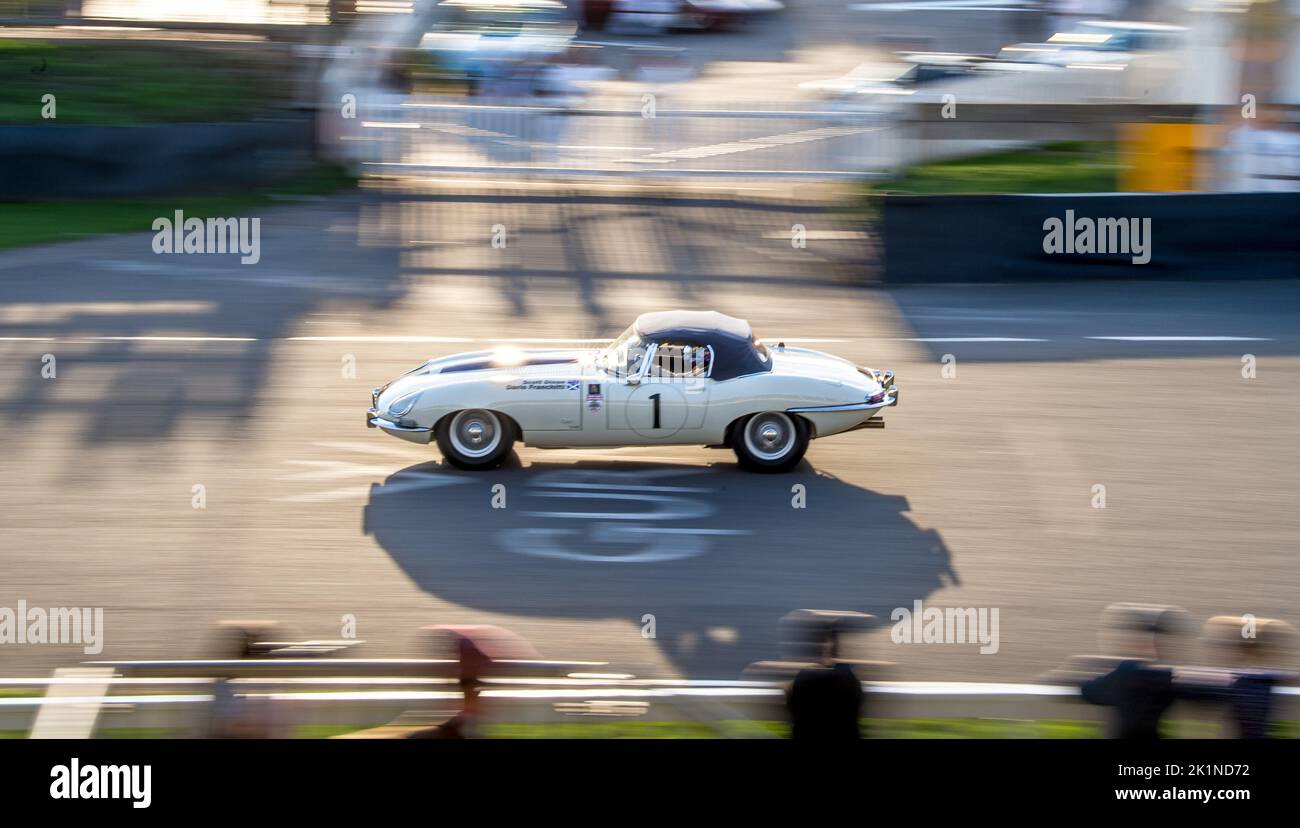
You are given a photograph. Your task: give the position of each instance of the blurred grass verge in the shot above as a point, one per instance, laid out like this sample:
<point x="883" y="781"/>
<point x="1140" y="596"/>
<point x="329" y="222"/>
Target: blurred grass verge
<point x="740" y="728"/>
<point x="733" y="729"/>
<point x="44" y="222"/>
<point x="1066" y="167"/>
<point x="98" y="83"/>
<point x="112" y="84"/>
<point x="722" y="729"/>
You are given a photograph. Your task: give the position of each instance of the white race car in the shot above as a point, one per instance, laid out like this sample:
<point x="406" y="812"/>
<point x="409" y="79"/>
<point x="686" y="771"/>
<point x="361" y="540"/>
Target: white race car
<point x="672" y="378"/>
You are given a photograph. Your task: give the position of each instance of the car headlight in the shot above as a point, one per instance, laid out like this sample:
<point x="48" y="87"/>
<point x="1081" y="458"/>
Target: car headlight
<point x="402" y="406"/>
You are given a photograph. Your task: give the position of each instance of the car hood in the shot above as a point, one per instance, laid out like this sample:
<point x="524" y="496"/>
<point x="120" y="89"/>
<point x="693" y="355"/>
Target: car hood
<point x="803" y="362"/>
<point x="477" y="365"/>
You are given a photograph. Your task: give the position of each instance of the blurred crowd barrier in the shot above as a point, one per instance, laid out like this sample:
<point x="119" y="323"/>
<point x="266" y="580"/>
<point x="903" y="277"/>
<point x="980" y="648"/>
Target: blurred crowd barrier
<point x="305" y="705"/>
<point x="1151" y="677"/>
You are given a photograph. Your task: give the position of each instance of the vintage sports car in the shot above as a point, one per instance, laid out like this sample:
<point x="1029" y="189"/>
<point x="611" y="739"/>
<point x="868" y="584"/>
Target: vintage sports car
<point x="672" y="378"/>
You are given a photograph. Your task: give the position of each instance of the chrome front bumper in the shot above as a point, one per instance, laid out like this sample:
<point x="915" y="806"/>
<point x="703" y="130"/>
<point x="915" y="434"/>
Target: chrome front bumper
<point x="413" y="434"/>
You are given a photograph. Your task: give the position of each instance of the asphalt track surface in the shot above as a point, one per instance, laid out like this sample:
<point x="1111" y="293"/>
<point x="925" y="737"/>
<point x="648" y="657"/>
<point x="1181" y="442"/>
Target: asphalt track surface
<point x="180" y="371"/>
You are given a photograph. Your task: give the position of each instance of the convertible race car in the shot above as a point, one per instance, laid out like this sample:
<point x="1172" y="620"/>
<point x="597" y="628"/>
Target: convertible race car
<point x="672" y="378"/>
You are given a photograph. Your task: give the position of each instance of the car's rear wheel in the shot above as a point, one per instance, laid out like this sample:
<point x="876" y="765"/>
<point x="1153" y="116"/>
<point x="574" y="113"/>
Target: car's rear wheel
<point x="475" y="438"/>
<point x="771" y="442"/>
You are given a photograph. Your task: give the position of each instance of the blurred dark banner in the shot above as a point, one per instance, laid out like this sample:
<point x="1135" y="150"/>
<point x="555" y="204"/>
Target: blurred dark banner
<point x="48" y="161"/>
<point x="1001" y="238"/>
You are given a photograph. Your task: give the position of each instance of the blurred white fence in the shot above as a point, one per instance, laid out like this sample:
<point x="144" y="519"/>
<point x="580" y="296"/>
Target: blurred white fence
<point x="413" y="138"/>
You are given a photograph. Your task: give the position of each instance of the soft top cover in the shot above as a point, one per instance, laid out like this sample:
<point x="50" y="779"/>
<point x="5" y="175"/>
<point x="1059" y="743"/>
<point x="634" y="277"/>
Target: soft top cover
<point x="735" y="352"/>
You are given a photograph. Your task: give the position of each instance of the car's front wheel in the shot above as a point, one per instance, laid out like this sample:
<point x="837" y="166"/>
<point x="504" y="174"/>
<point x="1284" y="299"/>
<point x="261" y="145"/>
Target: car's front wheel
<point x="770" y="442"/>
<point x="475" y="438"/>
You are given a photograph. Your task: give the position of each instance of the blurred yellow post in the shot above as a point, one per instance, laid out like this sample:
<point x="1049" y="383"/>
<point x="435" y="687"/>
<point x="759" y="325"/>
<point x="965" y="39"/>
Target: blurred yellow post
<point x="1158" y="157"/>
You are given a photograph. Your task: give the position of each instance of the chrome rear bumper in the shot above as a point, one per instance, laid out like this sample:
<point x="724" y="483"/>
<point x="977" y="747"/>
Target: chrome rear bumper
<point x="828" y="409"/>
<point x="887" y="384"/>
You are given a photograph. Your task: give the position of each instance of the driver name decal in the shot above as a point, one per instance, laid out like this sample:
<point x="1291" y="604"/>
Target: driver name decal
<point x="545" y="385"/>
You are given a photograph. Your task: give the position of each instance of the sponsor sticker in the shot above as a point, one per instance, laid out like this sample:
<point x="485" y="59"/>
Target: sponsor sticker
<point x="545" y="385"/>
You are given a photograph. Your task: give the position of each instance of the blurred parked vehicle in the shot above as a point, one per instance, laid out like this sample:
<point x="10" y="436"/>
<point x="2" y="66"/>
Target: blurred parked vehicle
<point x="485" y="39"/>
<point x="1104" y="42"/>
<point x="660" y="16"/>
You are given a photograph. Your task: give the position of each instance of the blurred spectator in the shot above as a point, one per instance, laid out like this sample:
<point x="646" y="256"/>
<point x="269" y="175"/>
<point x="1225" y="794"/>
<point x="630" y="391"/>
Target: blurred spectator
<point x="473" y="661"/>
<point x="825" y="700"/>
<point x="235" y="716"/>
<point x="1251" y="649"/>
<point x="477" y="647"/>
<point x="1140" y="687"/>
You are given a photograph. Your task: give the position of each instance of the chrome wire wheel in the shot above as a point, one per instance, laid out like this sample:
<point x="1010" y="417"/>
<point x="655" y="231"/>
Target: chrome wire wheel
<point x="475" y="433"/>
<point x="770" y="436"/>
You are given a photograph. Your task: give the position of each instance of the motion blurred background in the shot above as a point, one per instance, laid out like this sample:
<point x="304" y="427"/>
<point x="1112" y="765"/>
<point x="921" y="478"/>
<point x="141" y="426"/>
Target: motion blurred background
<point x="869" y="178"/>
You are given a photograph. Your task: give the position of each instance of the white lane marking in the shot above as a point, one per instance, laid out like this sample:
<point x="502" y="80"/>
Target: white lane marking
<point x="1184" y="338"/>
<point x="673" y="508"/>
<point x="942" y="5"/>
<point x="606" y="536"/>
<point x="168" y="338"/>
<point x="74" y="338"/>
<point x="599" y="147"/>
<point x="526" y="340"/>
<point x="971" y="339"/>
<point x="801" y="339"/>
<point x="579" y="341"/>
<point x="658" y="544"/>
<point x="376" y="339"/>
<point x="540" y="341"/>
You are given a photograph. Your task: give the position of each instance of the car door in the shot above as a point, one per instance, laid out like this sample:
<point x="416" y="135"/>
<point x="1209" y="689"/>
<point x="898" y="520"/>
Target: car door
<point x="543" y="403"/>
<point x="668" y="401"/>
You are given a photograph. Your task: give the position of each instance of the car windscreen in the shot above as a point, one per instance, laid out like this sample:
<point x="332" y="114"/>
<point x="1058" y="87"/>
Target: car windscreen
<point x="624" y="356"/>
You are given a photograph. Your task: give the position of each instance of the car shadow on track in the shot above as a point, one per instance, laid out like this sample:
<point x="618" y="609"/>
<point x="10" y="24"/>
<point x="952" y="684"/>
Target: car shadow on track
<point x="716" y="554"/>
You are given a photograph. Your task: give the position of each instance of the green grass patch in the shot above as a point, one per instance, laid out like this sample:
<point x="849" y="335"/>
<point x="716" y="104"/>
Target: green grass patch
<point x="982" y="729"/>
<point x="133" y="83"/>
<point x="634" y="729"/>
<point x="138" y="733"/>
<point x="1069" y="167"/>
<point x="874" y="728"/>
<point x="43" y="222"/>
